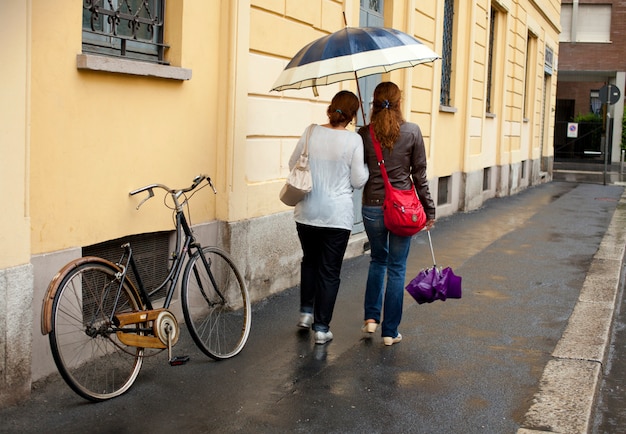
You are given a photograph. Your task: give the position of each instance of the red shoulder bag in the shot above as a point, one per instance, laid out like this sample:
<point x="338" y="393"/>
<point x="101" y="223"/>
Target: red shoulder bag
<point x="402" y="210"/>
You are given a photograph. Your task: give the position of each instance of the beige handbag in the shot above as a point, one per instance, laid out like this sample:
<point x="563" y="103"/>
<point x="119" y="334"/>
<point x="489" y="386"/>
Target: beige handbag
<point x="299" y="181"/>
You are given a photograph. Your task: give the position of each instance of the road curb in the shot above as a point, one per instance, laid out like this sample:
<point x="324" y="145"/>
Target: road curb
<point x="569" y="384"/>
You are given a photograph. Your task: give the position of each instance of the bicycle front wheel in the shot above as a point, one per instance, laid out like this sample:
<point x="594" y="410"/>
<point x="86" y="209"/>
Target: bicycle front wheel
<point x="85" y="347"/>
<point x="216" y="304"/>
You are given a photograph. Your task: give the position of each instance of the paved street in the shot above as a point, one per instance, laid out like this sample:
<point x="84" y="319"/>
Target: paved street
<point x="472" y="365"/>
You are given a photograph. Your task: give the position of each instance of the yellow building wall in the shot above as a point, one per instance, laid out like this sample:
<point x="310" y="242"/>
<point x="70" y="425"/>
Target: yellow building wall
<point x="278" y="30"/>
<point x="94" y="136"/>
<point x="466" y="138"/>
<point x="463" y="138"/>
<point x="14" y="128"/>
<point x="98" y="135"/>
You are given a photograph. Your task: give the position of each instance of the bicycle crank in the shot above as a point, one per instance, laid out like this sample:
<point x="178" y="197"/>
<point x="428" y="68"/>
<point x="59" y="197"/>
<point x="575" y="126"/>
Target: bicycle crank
<point x="168" y="327"/>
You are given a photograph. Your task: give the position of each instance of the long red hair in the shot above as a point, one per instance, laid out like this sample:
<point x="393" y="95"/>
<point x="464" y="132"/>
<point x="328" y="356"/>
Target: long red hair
<point x="386" y="116"/>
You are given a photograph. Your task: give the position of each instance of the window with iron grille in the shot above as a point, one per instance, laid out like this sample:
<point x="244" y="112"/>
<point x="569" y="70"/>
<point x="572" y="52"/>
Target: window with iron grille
<point x="131" y="29"/>
<point x="446" y="55"/>
<point x="490" y="62"/>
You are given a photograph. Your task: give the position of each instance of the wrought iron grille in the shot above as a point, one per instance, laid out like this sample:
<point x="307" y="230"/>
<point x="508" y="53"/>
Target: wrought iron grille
<point x="125" y="28"/>
<point x="492" y="40"/>
<point x="446" y="56"/>
<point x="372" y="5"/>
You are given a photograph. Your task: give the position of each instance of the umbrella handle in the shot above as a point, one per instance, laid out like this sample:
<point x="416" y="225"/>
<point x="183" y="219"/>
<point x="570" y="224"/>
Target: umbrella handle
<point x="432" y="252"/>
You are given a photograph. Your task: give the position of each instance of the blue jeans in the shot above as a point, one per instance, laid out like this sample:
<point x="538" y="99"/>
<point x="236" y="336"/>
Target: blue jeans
<point x="389" y="253"/>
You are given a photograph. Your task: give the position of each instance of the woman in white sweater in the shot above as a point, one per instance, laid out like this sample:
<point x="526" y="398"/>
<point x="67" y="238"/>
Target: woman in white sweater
<point x="325" y="216"/>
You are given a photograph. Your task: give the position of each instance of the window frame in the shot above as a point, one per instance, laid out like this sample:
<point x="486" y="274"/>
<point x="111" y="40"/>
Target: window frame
<point x="447" y="57"/>
<point x="531" y="60"/>
<point x="112" y="28"/>
<point x="491" y="54"/>
<point x="577" y="19"/>
<point x="594" y="16"/>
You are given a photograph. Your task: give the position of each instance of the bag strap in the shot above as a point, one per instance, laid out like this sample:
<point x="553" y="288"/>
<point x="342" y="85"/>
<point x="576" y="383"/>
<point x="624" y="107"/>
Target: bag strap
<point x="379" y="156"/>
<point x="305" y="149"/>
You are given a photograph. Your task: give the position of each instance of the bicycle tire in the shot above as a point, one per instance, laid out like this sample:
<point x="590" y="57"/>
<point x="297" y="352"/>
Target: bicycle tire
<point x="219" y="326"/>
<point x="86" y="350"/>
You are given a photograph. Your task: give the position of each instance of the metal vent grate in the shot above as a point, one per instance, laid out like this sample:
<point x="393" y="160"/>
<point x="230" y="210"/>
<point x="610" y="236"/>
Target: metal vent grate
<point x="151" y="253"/>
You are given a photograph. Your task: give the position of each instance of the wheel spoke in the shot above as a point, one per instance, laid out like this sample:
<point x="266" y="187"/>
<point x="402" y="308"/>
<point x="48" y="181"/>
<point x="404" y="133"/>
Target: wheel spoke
<point x="216" y="304"/>
<point x="84" y="346"/>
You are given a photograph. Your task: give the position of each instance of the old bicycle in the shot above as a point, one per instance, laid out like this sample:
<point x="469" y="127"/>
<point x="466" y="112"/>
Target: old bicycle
<point x="101" y="323"/>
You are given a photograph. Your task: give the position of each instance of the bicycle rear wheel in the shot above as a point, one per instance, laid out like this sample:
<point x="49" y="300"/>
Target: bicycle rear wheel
<point x="85" y="348"/>
<point x="216" y="304"/>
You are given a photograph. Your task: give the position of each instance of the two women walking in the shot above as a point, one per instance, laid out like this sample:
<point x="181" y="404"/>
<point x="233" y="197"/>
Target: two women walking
<point x="341" y="161"/>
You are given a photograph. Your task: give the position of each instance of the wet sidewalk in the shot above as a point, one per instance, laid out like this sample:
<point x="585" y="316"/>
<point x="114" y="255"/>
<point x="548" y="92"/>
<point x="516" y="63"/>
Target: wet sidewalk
<point x="540" y="278"/>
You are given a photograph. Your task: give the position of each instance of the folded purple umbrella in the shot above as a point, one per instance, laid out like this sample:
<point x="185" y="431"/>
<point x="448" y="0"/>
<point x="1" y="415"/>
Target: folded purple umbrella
<point x="434" y="284"/>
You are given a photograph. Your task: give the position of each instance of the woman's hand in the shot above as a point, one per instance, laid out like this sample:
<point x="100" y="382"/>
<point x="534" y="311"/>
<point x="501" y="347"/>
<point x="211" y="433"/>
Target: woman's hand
<point x="430" y="224"/>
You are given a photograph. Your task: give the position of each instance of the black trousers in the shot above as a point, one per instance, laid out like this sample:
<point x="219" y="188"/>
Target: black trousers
<point x="323" y="250"/>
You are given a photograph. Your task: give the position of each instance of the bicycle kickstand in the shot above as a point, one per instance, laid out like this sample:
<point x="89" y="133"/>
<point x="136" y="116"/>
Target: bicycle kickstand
<point x="177" y="360"/>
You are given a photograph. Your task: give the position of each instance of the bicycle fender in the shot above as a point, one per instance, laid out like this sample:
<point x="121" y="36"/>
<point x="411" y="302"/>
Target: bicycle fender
<point x="53" y="287"/>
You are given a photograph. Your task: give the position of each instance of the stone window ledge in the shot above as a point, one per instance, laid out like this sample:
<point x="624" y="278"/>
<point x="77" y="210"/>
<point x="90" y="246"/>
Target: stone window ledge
<point x="132" y="67"/>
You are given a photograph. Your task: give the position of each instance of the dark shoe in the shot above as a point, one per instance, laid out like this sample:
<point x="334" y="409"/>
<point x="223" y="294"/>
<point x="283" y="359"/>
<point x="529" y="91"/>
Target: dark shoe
<point x="306" y="320"/>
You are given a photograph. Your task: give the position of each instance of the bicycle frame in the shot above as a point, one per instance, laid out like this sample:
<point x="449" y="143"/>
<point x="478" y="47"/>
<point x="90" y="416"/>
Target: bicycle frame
<point x="185" y="244"/>
<point x="182" y="247"/>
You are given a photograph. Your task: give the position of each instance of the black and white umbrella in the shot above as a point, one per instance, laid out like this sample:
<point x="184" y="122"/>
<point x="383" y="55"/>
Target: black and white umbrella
<point x="352" y="53"/>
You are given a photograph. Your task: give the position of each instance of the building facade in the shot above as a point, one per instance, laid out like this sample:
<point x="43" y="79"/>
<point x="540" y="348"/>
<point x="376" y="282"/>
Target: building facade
<point x="592" y="47"/>
<point x="95" y="107"/>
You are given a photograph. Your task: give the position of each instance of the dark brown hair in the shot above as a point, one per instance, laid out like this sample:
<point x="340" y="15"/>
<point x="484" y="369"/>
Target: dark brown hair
<point x="386" y="115"/>
<point x="342" y="108"/>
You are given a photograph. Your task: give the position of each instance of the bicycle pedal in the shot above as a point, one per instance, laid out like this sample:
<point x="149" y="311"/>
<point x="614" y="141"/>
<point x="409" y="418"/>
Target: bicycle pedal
<point x="179" y="360"/>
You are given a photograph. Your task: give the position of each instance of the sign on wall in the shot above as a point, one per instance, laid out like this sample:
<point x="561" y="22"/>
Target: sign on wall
<point x="572" y="130"/>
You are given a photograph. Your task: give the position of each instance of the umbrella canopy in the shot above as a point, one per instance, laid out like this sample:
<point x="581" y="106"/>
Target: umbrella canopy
<point x="435" y="284"/>
<point x="351" y="53"/>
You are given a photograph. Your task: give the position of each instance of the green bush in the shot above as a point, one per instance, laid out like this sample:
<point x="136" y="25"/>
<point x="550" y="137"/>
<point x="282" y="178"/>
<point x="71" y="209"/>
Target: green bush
<point x="589" y="117"/>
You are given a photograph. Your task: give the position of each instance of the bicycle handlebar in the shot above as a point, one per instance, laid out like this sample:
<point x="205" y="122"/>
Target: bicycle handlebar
<point x="174" y="193"/>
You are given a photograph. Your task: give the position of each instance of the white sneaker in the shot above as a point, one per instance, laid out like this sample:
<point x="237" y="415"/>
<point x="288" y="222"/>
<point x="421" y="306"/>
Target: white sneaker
<point x="306" y="319"/>
<point x="388" y="340"/>
<point x="323" y="337"/>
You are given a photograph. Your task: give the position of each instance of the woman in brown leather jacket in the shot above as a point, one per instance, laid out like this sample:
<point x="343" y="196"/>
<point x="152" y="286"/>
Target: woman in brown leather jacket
<point x="405" y="160"/>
